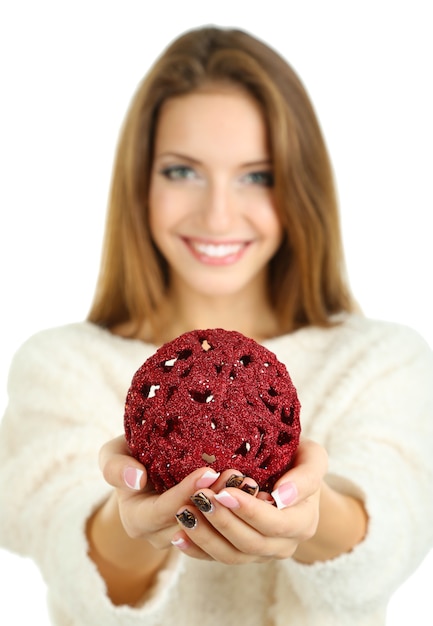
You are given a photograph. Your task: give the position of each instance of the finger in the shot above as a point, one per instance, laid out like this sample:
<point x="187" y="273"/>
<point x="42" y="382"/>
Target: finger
<point x="202" y="537"/>
<point x="226" y="536"/>
<point x="160" y="519"/>
<point x="117" y="445"/>
<point x="266" y="497"/>
<point x="157" y="511"/>
<point x="119" y="468"/>
<point x="180" y="494"/>
<point x="304" y="478"/>
<point x="182" y="542"/>
<point x="254" y="513"/>
<point x="291" y="525"/>
<point x="235" y="478"/>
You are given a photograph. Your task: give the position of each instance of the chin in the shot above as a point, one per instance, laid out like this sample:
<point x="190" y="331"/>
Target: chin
<point x="221" y="285"/>
<point x="214" y="290"/>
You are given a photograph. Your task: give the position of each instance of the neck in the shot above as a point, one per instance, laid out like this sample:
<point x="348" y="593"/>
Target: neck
<point x="252" y="316"/>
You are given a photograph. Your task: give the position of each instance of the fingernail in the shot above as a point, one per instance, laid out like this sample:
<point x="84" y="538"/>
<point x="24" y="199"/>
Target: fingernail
<point x="202" y="502"/>
<point x="285" y="495"/>
<point x="235" y="481"/>
<point x="223" y="497"/>
<point x="187" y="519"/>
<point x="251" y="489"/>
<point x="208" y="479"/>
<point x="180" y="543"/>
<point x="266" y="497"/>
<point x="132" y="477"/>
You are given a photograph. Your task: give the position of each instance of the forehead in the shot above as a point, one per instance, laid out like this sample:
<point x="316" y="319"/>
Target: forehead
<point x="210" y="117"/>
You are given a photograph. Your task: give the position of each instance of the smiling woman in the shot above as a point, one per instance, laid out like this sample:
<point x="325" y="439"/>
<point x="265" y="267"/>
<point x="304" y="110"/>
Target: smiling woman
<point x="243" y="98"/>
<point x="211" y="208"/>
<point x="222" y="214"/>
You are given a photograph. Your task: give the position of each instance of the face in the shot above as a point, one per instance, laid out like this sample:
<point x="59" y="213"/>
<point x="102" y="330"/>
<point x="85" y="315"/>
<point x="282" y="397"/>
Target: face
<point x="211" y="201"/>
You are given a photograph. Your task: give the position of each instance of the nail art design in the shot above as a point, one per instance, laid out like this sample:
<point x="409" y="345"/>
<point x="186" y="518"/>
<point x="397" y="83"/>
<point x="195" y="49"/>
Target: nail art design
<point x="251" y="489"/>
<point x="202" y="502"/>
<point x="235" y="481"/>
<point x="187" y="519"/>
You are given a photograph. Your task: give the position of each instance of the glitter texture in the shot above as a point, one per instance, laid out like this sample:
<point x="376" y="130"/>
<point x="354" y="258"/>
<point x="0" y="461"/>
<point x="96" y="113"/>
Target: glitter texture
<point x="212" y="398"/>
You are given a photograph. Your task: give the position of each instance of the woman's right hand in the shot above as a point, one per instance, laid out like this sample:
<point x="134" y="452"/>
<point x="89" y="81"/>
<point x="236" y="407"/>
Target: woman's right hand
<point x="145" y="514"/>
<point x="130" y="534"/>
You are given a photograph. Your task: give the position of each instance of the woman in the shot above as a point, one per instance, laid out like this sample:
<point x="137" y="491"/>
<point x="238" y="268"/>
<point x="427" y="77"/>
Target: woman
<point x="222" y="213"/>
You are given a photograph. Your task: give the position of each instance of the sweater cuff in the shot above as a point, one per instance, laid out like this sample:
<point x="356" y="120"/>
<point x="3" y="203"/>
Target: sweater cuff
<point x="80" y="591"/>
<point x="165" y="578"/>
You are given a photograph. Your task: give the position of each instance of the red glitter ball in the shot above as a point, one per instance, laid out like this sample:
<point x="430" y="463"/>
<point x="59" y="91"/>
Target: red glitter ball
<point x="212" y="398"/>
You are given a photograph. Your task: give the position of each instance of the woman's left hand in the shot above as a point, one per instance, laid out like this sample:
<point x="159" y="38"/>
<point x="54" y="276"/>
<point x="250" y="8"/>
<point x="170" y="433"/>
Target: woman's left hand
<point x="234" y="525"/>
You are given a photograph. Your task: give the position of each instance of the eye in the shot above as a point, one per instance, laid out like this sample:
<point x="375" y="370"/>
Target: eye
<point x="178" y="172"/>
<point x="265" y="178"/>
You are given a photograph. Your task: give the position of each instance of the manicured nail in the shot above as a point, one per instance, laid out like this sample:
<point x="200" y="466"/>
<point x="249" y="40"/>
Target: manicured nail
<point x="132" y="477"/>
<point x="202" y="502"/>
<point x="285" y="495"/>
<point x="180" y="543"/>
<point x="235" y="481"/>
<point x="208" y="479"/>
<point x="251" y="489"/>
<point x="187" y="519"/>
<point x="223" y="497"/>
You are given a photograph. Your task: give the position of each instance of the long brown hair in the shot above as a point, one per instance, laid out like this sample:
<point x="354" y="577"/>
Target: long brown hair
<point x="307" y="282"/>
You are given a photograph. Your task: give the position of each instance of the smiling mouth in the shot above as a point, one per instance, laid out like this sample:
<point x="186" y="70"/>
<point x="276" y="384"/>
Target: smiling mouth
<point x="217" y="250"/>
<point x="227" y="252"/>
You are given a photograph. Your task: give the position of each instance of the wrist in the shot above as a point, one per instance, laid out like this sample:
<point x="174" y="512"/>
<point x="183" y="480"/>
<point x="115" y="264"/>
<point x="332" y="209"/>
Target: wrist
<point x="342" y="525"/>
<point x="127" y="565"/>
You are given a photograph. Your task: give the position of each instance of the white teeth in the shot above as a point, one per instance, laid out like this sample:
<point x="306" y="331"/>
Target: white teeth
<point x="217" y="250"/>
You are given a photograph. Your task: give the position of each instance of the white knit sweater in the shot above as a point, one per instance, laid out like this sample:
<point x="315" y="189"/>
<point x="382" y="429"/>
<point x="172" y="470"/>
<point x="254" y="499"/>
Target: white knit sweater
<point x="366" y="390"/>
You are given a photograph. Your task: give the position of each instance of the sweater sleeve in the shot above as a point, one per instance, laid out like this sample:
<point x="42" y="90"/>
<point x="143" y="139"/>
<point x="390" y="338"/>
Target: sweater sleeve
<point x="379" y="436"/>
<point x="64" y="403"/>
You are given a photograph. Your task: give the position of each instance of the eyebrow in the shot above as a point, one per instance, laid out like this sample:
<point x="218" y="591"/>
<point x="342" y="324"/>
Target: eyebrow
<point x="185" y="157"/>
<point x="260" y="162"/>
<point x="177" y="155"/>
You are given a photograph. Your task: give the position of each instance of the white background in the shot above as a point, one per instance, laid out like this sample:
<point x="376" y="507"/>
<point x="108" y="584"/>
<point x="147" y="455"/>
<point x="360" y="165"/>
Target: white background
<point x="68" y="70"/>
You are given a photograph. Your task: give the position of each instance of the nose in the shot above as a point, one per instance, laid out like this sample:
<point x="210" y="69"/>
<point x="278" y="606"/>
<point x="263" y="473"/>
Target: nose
<point x="218" y="206"/>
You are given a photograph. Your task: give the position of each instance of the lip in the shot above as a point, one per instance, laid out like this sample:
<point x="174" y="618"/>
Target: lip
<point x="217" y="253"/>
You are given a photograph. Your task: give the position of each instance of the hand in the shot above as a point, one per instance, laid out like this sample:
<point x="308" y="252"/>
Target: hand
<point x="143" y="513"/>
<point x="128" y="535"/>
<point x="233" y="527"/>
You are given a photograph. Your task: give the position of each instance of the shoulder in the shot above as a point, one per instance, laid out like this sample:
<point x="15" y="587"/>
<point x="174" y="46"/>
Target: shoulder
<point x="382" y="338"/>
<point x="62" y="342"/>
<point x="359" y="325"/>
<point x="354" y="344"/>
<point x="356" y="333"/>
<point x="81" y="337"/>
<point x="77" y="349"/>
<point x="69" y="333"/>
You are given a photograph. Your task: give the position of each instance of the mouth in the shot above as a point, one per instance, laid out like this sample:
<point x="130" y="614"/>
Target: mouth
<point x="217" y="253"/>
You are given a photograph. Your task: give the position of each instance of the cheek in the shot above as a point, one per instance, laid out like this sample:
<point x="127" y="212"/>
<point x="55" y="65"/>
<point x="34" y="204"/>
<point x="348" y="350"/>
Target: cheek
<point x="160" y="215"/>
<point x="273" y="222"/>
<point x="277" y="239"/>
<point x="268" y="221"/>
<point x="152" y="203"/>
<point x="167" y="207"/>
<point x="273" y="233"/>
<point x="153" y="222"/>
